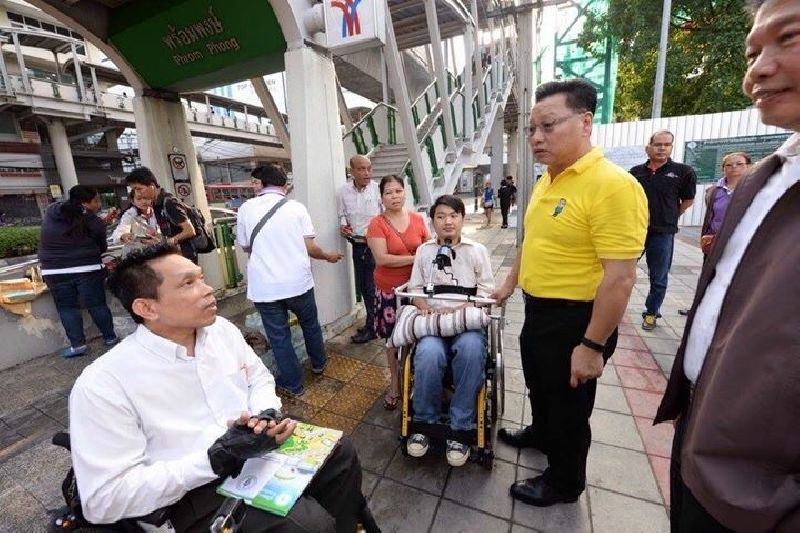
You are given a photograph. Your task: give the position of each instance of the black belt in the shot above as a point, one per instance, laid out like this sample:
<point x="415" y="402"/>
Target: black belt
<point x="556" y="302"/>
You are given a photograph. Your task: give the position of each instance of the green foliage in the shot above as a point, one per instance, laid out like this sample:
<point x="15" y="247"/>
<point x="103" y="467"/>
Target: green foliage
<point x="705" y="59"/>
<point x="16" y="241"/>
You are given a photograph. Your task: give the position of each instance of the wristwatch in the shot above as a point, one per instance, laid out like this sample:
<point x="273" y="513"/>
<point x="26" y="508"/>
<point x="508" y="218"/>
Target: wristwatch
<point x="589" y="343"/>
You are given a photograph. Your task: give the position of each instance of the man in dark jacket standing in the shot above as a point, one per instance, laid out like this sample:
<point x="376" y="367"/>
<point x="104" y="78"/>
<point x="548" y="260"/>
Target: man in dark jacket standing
<point x="670" y="189"/>
<point x="507" y="193"/>
<point x="734" y="389"/>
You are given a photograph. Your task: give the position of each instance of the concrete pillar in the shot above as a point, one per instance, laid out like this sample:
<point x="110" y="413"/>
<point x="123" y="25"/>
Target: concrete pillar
<point x="525" y="52"/>
<point x="62" y="154"/>
<point x="271" y="108"/>
<point x="496" y="163"/>
<point x="162" y="130"/>
<point x="4" y="74"/>
<point x="318" y="167"/>
<point x="76" y="62"/>
<point x="513" y="155"/>
<point x="469" y="90"/>
<point x="26" y="82"/>
<point x="441" y="72"/>
<point x="477" y="55"/>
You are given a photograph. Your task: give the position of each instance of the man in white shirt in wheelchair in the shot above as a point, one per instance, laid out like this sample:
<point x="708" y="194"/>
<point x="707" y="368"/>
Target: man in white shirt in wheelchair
<point x="450" y="263"/>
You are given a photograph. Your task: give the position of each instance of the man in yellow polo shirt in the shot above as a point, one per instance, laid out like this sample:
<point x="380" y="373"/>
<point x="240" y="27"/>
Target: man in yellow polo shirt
<point x="584" y="231"/>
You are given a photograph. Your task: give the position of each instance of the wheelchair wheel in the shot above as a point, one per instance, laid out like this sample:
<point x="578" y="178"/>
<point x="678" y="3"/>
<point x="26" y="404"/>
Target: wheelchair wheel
<point x="498" y="396"/>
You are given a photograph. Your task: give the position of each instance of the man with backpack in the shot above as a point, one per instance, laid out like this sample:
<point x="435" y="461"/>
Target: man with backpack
<point x="182" y="225"/>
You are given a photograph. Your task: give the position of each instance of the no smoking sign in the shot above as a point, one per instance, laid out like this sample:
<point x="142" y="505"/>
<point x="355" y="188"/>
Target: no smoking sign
<point x="179" y="167"/>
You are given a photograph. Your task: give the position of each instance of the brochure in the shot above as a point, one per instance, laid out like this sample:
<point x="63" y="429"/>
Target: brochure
<point x="274" y="481"/>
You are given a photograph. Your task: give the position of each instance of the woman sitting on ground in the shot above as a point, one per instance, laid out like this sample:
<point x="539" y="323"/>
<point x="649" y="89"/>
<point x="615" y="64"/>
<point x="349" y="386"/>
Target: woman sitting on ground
<point x="393" y="238"/>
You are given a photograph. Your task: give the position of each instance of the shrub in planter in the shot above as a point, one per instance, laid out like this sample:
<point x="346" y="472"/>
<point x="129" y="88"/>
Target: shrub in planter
<point x="16" y="241"/>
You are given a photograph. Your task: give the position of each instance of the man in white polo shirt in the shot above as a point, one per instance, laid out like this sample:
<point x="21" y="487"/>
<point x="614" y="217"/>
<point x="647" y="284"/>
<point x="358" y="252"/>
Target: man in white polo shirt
<point x="279" y="236"/>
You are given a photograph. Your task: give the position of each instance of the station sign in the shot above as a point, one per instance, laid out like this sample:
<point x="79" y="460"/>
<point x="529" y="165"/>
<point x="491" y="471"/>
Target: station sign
<point x="353" y="25"/>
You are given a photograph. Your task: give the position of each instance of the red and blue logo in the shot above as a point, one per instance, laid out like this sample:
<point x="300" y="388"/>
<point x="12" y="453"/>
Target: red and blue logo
<point x="350" y="24"/>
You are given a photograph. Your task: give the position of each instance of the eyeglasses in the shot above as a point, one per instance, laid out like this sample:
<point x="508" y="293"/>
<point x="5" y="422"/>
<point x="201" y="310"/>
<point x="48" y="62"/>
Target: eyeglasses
<point x="549" y="127"/>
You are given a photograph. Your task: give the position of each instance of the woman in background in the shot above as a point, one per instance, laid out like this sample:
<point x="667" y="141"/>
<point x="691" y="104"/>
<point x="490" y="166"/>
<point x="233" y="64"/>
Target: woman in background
<point x="73" y="239"/>
<point x="735" y="166"/>
<point x="393" y="238"/>
<point x="488" y="201"/>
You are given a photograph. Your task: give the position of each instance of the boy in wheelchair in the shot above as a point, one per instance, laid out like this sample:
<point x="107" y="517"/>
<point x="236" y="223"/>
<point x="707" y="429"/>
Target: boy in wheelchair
<point x="448" y="263"/>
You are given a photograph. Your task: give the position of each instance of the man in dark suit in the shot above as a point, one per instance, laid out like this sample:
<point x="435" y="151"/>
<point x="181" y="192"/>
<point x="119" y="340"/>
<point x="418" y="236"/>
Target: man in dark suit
<point x="734" y="389"/>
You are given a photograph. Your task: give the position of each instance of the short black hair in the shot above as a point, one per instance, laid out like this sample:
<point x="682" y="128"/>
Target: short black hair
<point x="141" y="176"/>
<point x="270" y="175"/>
<point x="134" y="278"/>
<point x="453" y="202"/>
<point x="386" y="180"/>
<point x="661" y="132"/>
<point x="581" y="95"/>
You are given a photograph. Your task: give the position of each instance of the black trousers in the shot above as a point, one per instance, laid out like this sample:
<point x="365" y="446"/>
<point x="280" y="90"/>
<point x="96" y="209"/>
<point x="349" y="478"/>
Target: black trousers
<point x="364" y="266"/>
<point x="686" y="514"/>
<point x="331" y="502"/>
<point x="552" y="329"/>
<point x="505" y="207"/>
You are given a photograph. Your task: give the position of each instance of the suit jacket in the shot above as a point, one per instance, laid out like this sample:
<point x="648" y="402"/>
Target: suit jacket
<point x="741" y="450"/>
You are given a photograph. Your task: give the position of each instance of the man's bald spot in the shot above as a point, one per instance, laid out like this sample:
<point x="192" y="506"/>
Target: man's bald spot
<point x="356" y="159"/>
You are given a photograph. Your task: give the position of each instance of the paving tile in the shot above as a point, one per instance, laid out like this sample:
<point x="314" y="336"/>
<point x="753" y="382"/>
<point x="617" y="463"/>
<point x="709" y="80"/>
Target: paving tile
<point x="643" y="403"/>
<point x="631" y="342"/>
<point x="609" y="376"/>
<point x="516" y="528"/>
<point x="572" y="517"/>
<point x="615" y="429"/>
<point x="657" y="439"/>
<point x="665" y="362"/>
<point x="665" y="346"/>
<point x="352" y="401"/>
<point x="372" y="377"/>
<point x="8" y="437"/>
<point x="400" y="508"/>
<point x="321" y="391"/>
<point x="21" y="512"/>
<point x="451" y="517"/>
<point x="368" y="483"/>
<point x="532" y="458"/>
<point x="343" y="368"/>
<point x="662" y="331"/>
<point x="363" y="352"/>
<point x="485" y="490"/>
<point x="32" y="422"/>
<point x="325" y="418"/>
<point x="642" y="379"/>
<point x="624" y="357"/>
<point x="379" y="360"/>
<point x="627" y="329"/>
<point x="611" y="398"/>
<point x="515" y="380"/>
<point x="379" y="416"/>
<point x="621" y="514"/>
<point x="428" y="473"/>
<point x="40" y="471"/>
<point x="510" y="340"/>
<point x="607" y="463"/>
<point x="514" y="407"/>
<point x="660" y="467"/>
<point x="511" y="359"/>
<point x="375" y="446"/>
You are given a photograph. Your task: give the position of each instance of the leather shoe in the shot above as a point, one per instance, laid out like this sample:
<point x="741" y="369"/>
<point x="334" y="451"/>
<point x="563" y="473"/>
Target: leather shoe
<point x="363" y="337"/>
<point x="536" y="491"/>
<point x="520" y="438"/>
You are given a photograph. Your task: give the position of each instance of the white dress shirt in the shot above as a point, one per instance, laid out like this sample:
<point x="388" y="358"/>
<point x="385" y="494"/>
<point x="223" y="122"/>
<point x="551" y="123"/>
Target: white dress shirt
<point x="705" y="320"/>
<point x="143" y="416"/>
<point x="279" y="266"/>
<point x="357" y="208"/>
<point x="471" y="267"/>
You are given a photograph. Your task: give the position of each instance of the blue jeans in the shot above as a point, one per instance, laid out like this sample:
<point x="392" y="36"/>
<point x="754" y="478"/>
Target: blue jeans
<point x="467" y="353"/>
<point x="364" y="266"/>
<point x="70" y="292"/>
<point x="658" y="253"/>
<point x="275" y="317"/>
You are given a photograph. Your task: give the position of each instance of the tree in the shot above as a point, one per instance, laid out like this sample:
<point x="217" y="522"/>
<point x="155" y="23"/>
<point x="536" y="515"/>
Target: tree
<point x="705" y="55"/>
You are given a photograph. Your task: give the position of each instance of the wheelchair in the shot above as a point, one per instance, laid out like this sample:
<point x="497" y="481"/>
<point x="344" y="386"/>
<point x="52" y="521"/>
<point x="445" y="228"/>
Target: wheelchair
<point x="490" y="403"/>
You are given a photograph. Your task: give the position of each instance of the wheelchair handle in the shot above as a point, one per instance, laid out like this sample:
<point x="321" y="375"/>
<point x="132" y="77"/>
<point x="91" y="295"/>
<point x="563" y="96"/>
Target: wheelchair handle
<point x="402" y="293"/>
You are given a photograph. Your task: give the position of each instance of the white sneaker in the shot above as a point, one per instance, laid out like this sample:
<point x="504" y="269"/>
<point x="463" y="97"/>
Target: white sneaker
<point x="417" y="445"/>
<point x="457" y="453"/>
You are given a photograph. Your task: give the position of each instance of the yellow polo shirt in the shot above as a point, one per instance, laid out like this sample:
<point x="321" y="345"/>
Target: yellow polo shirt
<point x="593" y="210"/>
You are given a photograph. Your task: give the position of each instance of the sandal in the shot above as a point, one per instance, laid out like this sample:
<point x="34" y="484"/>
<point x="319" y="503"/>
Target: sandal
<point x="390" y="401"/>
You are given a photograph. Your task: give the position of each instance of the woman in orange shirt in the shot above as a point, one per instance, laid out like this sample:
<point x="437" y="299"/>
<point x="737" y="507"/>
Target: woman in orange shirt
<point x="393" y="238"/>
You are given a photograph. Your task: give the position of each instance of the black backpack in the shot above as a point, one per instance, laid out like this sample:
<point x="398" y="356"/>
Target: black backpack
<point x="203" y="240"/>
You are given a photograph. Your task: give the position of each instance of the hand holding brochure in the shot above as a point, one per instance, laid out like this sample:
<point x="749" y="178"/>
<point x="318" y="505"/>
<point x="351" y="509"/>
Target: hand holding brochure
<point x="274" y="481"/>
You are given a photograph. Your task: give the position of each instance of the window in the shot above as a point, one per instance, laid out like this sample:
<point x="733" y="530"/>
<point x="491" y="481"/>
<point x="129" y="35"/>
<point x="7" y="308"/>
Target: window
<point x="8" y="125"/>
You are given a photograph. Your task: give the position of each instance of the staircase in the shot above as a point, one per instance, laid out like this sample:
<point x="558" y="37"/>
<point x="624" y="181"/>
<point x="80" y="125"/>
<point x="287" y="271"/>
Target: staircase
<point x="388" y="159"/>
<point x="377" y="136"/>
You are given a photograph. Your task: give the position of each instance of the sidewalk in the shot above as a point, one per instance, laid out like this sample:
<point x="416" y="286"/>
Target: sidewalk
<point x="628" y="462"/>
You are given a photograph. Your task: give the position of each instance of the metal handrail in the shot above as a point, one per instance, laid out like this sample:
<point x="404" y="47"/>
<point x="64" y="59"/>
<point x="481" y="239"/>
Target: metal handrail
<point x="371" y="113"/>
<point x="424" y="92"/>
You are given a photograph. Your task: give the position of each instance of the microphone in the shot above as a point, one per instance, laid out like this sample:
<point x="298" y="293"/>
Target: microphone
<point x="444" y="255"/>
